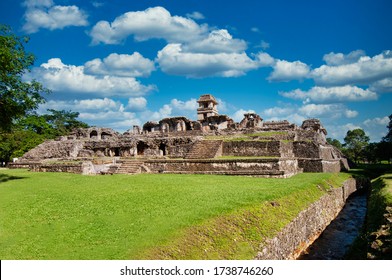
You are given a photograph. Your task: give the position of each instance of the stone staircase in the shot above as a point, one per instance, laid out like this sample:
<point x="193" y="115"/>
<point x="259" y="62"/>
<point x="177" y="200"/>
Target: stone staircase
<point x="130" y="167"/>
<point x="205" y="149"/>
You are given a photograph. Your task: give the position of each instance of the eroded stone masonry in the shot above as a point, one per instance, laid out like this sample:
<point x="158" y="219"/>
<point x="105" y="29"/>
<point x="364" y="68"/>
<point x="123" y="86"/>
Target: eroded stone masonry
<point x="213" y="144"/>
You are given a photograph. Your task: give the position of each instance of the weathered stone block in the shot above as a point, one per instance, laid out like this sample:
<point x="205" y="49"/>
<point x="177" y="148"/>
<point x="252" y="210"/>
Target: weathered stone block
<point x="251" y="148"/>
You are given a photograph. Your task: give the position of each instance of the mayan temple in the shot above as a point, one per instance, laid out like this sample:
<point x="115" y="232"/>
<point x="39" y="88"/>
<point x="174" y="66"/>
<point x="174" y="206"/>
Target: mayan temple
<point x="213" y="144"/>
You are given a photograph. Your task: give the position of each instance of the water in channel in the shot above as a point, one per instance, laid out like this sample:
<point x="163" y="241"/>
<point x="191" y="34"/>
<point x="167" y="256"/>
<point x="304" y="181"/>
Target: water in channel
<point x="336" y="239"/>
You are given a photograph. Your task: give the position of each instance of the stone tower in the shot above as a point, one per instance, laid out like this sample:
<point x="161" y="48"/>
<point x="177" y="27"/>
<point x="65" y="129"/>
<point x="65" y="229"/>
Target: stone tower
<point x="207" y="107"/>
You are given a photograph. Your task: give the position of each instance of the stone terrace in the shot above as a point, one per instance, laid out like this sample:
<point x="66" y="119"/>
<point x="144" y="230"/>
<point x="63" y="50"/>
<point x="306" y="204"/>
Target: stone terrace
<point x="214" y="144"/>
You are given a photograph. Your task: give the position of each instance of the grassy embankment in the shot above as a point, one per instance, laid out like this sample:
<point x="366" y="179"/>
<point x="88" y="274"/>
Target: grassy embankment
<point x="379" y="222"/>
<point x="375" y="241"/>
<point x="69" y="216"/>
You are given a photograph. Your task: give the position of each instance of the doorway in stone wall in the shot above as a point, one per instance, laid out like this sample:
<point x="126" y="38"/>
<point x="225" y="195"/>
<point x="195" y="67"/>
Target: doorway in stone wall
<point x="162" y="147"/>
<point x="94" y="134"/>
<point x="141" y="147"/>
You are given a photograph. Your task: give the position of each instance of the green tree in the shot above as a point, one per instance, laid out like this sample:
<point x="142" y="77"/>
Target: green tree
<point x="18" y="142"/>
<point x="21" y="129"/>
<point x="388" y="137"/>
<point x="63" y="121"/>
<point x="370" y="153"/>
<point x="37" y="124"/>
<point x="17" y="97"/>
<point x="385" y="150"/>
<point x="335" y="142"/>
<point x="355" y="143"/>
<point x="32" y="130"/>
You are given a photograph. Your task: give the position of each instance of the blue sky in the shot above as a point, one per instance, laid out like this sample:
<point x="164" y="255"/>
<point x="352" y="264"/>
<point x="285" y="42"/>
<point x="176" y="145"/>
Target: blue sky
<point x="121" y="63"/>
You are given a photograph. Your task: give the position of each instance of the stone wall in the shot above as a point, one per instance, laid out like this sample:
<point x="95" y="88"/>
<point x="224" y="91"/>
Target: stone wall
<point x="290" y="166"/>
<point x="327" y="152"/>
<point x="320" y="165"/>
<point x="179" y="151"/>
<point x="68" y="168"/>
<point x="251" y="148"/>
<point x="85" y="168"/>
<point x="16" y="165"/>
<point x="286" y="149"/>
<point x="307" y="226"/>
<point x="306" y="149"/>
<point x="256" y="167"/>
<point x="278" y="125"/>
<point x="310" y="135"/>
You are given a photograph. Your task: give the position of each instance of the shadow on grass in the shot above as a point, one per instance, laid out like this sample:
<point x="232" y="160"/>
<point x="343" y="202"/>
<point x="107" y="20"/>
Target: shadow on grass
<point x="4" y="178"/>
<point x="371" y="171"/>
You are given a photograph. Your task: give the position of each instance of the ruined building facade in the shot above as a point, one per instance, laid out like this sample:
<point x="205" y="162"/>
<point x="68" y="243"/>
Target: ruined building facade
<point x="214" y="144"/>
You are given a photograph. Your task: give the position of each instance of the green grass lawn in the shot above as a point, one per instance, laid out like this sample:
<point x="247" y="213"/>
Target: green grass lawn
<point x="69" y="216"/>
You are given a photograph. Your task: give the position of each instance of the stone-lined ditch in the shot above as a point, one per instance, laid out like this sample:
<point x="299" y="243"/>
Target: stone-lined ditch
<point x="337" y="238"/>
<point x="296" y="237"/>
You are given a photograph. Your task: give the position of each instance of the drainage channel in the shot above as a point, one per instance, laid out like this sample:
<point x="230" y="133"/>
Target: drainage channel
<point x="336" y="239"/>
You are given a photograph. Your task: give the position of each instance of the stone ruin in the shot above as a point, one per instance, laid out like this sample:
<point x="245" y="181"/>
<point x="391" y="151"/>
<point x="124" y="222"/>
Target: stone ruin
<point x="214" y="144"/>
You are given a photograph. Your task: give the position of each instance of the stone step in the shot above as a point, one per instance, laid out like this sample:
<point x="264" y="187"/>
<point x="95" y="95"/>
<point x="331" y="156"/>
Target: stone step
<point x="130" y="167"/>
<point x="204" y="149"/>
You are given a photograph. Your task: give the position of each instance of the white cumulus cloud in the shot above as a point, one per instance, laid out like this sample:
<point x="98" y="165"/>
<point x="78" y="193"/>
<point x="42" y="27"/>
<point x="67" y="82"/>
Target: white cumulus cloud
<point x="384" y="121"/>
<point x="350" y="113"/>
<point x="83" y="105"/>
<point x="289" y="112"/>
<point x="362" y="71"/>
<point x="173" y="60"/>
<point x="336" y="59"/>
<point x="44" y="14"/>
<point x="287" y="71"/>
<point x="164" y="112"/>
<point x="123" y="65"/>
<point x="189" y="105"/>
<point x="193" y="50"/>
<point x="137" y="104"/>
<point x="60" y="77"/>
<point x="156" y="22"/>
<point x="327" y="110"/>
<point x="278" y="111"/>
<point x="217" y="41"/>
<point x="331" y="94"/>
<point x="384" y="85"/>
<point x="264" y="59"/>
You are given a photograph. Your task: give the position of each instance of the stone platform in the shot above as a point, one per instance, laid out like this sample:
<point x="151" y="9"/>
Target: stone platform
<point x="214" y="144"/>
